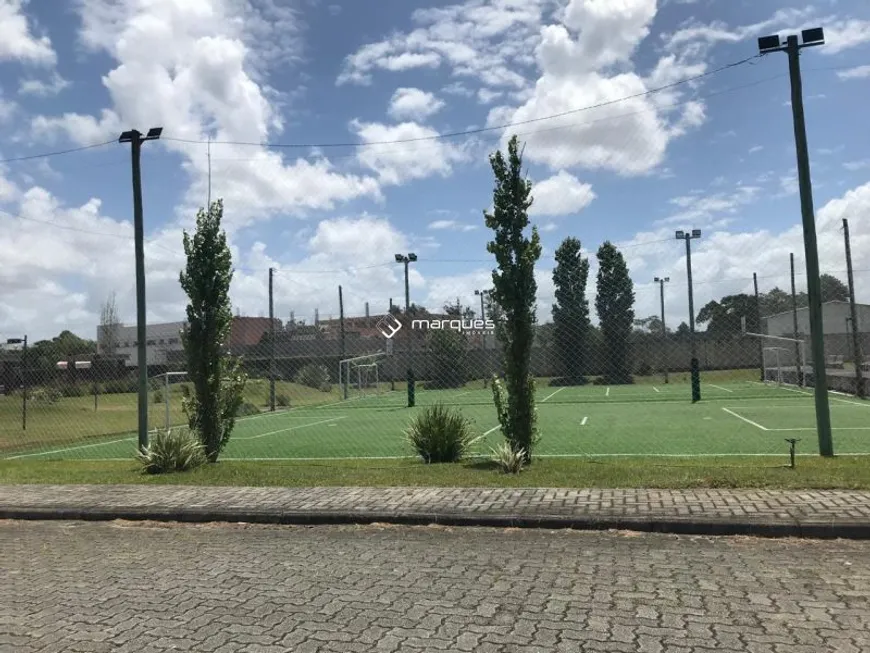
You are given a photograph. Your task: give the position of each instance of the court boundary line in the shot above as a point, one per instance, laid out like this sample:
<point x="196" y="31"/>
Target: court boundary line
<point x="719" y="387"/>
<point x="553" y="394"/>
<point x="65" y="449"/>
<point x="545" y="455"/>
<point x="748" y="421"/>
<point x="794" y="429"/>
<point x="134" y="438"/>
<point x="292" y="428"/>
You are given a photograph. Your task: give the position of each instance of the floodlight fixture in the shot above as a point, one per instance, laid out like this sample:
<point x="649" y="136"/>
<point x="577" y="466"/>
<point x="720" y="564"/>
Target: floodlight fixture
<point x="769" y="43"/>
<point x="680" y="234"/>
<point x="412" y="257"/>
<point x="154" y="133"/>
<point x="696" y="233"/>
<point x="400" y="258"/>
<point x="662" y="279"/>
<point x="813" y="36"/>
<point x="14" y="341"/>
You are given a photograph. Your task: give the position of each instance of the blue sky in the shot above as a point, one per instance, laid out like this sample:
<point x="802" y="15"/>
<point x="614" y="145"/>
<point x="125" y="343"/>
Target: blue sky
<point x="715" y="154"/>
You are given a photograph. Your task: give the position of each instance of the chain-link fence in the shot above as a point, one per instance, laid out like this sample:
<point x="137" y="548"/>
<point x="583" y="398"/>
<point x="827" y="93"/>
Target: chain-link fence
<point x="612" y="369"/>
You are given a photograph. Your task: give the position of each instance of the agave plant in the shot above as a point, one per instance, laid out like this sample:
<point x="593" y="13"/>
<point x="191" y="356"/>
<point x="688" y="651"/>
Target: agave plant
<point x="173" y="450"/>
<point x="441" y="435"/>
<point x="508" y="460"/>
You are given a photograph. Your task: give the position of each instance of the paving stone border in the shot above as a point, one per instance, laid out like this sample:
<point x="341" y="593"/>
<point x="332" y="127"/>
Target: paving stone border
<point x="775" y="513"/>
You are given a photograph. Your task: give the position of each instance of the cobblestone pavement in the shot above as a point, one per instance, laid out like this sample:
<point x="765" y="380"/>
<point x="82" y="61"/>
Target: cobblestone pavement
<point x="814" y="512"/>
<point x="147" y="586"/>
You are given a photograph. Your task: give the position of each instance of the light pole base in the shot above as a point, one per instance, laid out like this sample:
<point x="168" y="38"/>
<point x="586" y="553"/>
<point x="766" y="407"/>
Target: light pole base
<point x="696" y="380"/>
<point x="411" y="388"/>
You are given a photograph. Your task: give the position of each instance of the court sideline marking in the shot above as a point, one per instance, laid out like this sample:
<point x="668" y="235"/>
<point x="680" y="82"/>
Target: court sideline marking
<point x="82" y="446"/>
<point x="553" y="394"/>
<point x="748" y="421"/>
<point x="292" y="428"/>
<point x="585" y="419"/>
<point x="713" y="385"/>
<point x="607" y="394"/>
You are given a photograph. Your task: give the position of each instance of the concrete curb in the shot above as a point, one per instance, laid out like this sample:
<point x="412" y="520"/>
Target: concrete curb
<point x="689" y="526"/>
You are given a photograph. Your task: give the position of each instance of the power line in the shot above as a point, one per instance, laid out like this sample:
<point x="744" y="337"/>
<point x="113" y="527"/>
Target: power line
<point x="81" y="231"/>
<point x="570" y="125"/>
<point x="479" y="130"/>
<point x="44" y="155"/>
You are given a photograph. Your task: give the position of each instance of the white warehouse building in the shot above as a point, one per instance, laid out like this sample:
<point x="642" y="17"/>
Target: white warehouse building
<point x="161" y="339"/>
<point x="836" y="319"/>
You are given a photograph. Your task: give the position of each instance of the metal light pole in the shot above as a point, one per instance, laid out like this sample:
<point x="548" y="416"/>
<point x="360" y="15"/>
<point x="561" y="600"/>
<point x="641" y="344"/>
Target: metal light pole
<point x="406" y="259"/>
<point x="136" y="139"/>
<point x="767" y="44"/>
<point x="482" y="294"/>
<point x="689" y="236"/>
<point x="857" y="358"/>
<point x="22" y="341"/>
<point x="662" y="281"/>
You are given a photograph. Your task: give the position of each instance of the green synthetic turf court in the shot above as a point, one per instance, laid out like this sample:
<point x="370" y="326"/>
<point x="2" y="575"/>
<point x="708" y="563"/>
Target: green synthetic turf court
<point x="733" y="418"/>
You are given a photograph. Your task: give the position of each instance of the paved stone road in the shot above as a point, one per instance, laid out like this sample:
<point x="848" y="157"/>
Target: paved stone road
<point x="810" y="512"/>
<point x="144" y="586"/>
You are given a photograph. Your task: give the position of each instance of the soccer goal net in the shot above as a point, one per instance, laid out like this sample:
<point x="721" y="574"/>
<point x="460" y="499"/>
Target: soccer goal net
<point x="360" y="376"/>
<point x="783" y="361"/>
<point x="165" y="392"/>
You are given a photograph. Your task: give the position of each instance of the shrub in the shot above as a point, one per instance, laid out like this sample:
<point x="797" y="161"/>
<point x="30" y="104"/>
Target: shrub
<point x="185" y="390"/>
<point x="440" y="435"/>
<point x="282" y="400"/>
<point x="313" y="376"/>
<point x="508" y="460"/>
<point x="644" y="369"/>
<point x="73" y="390"/>
<point x="175" y="450"/>
<point x="157" y="396"/>
<point x="115" y="387"/>
<point x="246" y="409"/>
<point x="44" y="395"/>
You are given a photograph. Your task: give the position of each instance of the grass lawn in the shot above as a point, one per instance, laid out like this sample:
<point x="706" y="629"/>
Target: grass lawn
<point x="656" y="420"/>
<point x="736" y="472"/>
<point x="72" y="421"/>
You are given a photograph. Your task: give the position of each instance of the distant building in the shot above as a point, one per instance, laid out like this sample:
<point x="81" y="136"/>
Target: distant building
<point x="163" y="341"/>
<point x="836" y="319"/>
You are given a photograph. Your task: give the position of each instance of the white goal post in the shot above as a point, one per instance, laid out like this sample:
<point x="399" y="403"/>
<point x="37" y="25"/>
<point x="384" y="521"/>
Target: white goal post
<point x="165" y="385"/>
<point x="364" y="366"/>
<point x="778" y="357"/>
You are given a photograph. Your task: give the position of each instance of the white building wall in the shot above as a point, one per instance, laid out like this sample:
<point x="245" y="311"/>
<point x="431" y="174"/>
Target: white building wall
<point x="160" y="339"/>
<point x="834" y="316"/>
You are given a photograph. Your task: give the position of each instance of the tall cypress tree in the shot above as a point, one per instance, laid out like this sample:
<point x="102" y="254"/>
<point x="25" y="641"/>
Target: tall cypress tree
<point x="217" y="379"/>
<point x="514" y="291"/>
<point x="614" y="303"/>
<point x="571" y="311"/>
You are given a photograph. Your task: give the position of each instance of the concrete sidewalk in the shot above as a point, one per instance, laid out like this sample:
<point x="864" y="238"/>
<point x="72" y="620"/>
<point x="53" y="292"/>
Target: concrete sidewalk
<point x="800" y="513"/>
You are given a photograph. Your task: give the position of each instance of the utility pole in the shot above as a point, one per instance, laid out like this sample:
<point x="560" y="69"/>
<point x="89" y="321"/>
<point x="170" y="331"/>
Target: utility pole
<point x="136" y="139"/>
<point x="24" y="386"/>
<point x="662" y="281"/>
<point x="794" y="315"/>
<point x="758" y="319"/>
<point x="688" y="236"/>
<point x="407" y="259"/>
<point x="810" y="37"/>
<point x="271" y="340"/>
<point x="857" y="354"/>
<point x="345" y="382"/>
